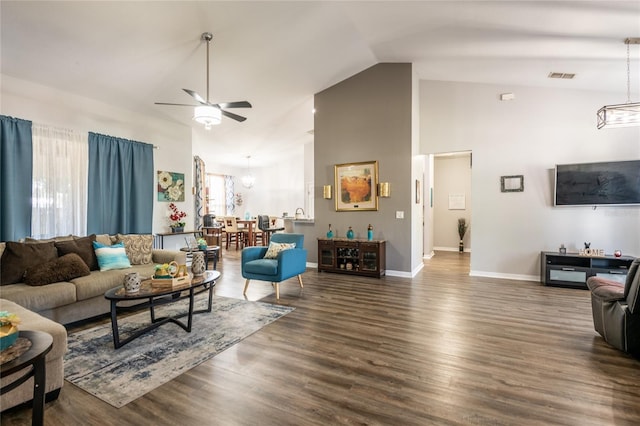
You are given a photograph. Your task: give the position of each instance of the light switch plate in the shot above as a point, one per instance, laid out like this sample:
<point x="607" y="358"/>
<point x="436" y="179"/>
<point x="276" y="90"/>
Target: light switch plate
<point x="399" y="215"/>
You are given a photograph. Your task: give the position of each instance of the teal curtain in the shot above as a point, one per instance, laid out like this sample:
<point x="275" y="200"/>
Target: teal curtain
<point x="16" y="165"/>
<point x="120" y="188"/>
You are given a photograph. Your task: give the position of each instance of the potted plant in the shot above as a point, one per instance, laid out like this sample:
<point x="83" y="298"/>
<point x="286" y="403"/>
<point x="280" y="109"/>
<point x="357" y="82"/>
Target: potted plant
<point x="202" y="243"/>
<point x="462" y="229"/>
<point x="176" y="217"/>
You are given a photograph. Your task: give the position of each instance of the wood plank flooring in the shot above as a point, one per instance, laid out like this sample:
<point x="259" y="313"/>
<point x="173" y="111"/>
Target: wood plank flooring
<point x="440" y="349"/>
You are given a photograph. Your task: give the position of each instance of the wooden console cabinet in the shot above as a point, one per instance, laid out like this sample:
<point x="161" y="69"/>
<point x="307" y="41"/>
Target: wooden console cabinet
<point x="573" y="270"/>
<point x="358" y="257"/>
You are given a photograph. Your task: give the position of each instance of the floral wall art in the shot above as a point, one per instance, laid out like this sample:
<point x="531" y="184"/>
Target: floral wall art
<point x="170" y="186"/>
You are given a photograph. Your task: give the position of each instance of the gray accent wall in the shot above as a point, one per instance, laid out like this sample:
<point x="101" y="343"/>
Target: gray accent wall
<point x="368" y="117"/>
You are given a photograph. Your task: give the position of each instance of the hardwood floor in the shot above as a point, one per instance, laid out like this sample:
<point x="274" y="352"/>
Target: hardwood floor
<point x="442" y="348"/>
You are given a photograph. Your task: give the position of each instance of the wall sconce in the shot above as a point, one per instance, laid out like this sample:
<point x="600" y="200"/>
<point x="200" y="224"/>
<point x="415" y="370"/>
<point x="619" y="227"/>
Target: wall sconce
<point x="326" y="192"/>
<point x="384" y="189"/>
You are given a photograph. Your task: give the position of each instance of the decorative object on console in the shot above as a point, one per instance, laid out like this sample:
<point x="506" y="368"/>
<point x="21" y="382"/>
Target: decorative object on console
<point x="202" y="243"/>
<point x="330" y="232"/>
<point x="622" y="115"/>
<point x="350" y="234"/>
<point x="370" y="232"/>
<point x="176" y="216"/>
<point x="170" y="186"/>
<point x="617" y="253"/>
<point x="197" y="264"/>
<point x="563" y="249"/>
<point x="462" y="229"/>
<point x="356" y="186"/>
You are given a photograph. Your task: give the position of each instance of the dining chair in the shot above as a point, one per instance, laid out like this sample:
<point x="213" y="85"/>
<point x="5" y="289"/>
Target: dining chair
<point x="232" y="232"/>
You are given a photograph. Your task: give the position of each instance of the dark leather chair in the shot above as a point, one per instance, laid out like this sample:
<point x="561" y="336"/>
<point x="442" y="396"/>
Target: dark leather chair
<point x="616" y="309"/>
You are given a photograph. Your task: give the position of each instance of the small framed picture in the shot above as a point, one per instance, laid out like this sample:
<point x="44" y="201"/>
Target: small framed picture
<point x="514" y="183"/>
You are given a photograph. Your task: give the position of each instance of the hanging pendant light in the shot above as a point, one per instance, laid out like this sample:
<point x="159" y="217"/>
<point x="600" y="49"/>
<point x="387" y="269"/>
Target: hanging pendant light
<point x="622" y="115"/>
<point x="248" y="180"/>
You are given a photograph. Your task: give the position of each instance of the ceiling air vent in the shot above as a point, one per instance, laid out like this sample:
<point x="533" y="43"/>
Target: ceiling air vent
<point x="565" y="75"/>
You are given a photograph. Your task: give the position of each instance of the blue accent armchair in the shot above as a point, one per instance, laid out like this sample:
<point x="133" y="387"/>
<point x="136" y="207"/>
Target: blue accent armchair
<point x="289" y="263"/>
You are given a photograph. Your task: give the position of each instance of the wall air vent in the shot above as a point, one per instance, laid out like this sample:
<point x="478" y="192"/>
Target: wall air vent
<point x="565" y="75"/>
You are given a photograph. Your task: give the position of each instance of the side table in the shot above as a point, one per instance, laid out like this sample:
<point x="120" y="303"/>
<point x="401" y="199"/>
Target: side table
<point x="33" y="357"/>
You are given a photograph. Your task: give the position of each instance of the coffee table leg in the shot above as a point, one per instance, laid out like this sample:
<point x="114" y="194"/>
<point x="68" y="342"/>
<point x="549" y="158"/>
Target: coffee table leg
<point x="190" y="317"/>
<point x="39" y="379"/>
<point x="114" y="325"/>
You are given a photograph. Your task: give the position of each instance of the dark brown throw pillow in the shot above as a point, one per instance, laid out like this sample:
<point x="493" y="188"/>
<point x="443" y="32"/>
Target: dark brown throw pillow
<point x="18" y="257"/>
<point x="83" y="247"/>
<point x="64" y="268"/>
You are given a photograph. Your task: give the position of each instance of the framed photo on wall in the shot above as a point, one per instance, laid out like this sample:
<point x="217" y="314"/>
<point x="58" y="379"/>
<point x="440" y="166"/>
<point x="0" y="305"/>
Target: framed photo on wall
<point x="356" y="186"/>
<point x="170" y="186"/>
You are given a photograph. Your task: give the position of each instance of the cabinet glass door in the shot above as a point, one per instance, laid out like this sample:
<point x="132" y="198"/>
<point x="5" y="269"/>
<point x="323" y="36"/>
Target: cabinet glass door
<point x="369" y="259"/>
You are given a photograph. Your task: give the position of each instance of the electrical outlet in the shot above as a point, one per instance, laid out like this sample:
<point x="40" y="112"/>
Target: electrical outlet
<point x="399" y="215"/>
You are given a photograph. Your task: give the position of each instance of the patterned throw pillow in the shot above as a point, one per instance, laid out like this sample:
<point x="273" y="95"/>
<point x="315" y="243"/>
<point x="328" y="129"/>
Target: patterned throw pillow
<point x="111" y="257"/>
<point x="138" y="247"/>
<point x="275" y="248"/>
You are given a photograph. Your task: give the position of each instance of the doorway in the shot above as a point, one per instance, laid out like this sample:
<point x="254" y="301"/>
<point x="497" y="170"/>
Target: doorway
<point x="452" y="203"/>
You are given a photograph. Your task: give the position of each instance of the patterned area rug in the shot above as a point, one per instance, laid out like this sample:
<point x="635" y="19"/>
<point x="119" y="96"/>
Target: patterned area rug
<point x="120" y="376"/>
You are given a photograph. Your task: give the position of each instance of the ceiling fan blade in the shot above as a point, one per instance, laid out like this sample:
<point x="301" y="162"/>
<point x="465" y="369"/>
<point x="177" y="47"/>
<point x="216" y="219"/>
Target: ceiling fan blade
<point x="239" y="104"/>
<point x="233" y="116"/>
<point x="195" y="96"/>
<point x="169" y="103"/>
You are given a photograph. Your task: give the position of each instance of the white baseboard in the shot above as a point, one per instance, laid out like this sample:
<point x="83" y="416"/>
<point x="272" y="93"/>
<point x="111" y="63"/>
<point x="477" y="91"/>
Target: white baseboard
<point x="466" y="250"/>
<point x="516" y="277"/>
<point x="428" y="256"/>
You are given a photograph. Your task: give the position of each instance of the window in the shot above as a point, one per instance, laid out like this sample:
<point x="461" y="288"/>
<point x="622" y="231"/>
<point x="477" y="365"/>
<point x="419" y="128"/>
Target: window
<point x="59" y="191"/>
<point x="215" y="196"/>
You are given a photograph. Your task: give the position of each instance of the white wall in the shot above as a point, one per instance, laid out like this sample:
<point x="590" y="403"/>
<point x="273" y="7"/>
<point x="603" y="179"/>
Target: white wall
<point x="528" y="136"/>
<point x="452" y="176"/>
<point x="45" y="105"/>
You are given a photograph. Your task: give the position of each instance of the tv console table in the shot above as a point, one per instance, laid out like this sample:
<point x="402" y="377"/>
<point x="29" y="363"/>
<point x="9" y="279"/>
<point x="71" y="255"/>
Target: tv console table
<point x="573" y="270"/>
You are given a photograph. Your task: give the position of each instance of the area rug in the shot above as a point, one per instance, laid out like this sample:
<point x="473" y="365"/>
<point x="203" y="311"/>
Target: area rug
<point x="120" y="376"/>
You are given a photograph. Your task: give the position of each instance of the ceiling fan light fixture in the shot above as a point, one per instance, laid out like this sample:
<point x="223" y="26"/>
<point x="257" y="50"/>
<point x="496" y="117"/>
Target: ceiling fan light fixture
<point x="622" y="115"/>
<point x="207" y="115"/>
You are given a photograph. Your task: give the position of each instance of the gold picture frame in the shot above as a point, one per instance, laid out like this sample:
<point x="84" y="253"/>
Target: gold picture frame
<point x="356" y="186"/>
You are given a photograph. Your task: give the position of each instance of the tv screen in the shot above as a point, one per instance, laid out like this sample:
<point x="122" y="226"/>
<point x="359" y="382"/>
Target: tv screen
<point x="598" y="184"/>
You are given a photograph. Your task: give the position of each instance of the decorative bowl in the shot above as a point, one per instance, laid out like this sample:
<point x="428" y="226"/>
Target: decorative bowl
<point x="9" y="336"/>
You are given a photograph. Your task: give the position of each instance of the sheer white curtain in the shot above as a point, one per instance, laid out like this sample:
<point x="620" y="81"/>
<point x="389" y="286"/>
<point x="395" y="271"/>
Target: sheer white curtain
<point x="60" y="170"/>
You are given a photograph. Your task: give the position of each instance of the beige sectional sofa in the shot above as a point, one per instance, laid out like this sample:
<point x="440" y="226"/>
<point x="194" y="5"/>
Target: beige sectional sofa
<point x="53" y="360"/>
<point x="83" y="297"/>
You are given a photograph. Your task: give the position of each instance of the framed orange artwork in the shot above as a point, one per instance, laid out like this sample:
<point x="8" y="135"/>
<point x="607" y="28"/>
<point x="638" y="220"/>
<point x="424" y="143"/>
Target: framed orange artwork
<point x="356" y="186"/>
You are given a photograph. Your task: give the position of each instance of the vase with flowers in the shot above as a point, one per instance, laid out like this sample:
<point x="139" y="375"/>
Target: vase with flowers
<point x="176" y="217"/>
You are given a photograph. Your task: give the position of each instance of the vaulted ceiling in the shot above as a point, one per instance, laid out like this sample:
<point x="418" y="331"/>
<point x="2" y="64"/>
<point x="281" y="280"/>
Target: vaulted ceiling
<point x="278" y="54"/>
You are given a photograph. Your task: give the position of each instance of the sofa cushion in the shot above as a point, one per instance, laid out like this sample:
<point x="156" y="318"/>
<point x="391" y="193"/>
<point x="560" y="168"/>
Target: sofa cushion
<point x="83" y="247"/>
<point x="18" y="257"/>
<point x="40" y="298"/>
<point x="99" y="282"/>
<point x="48" y="240"/>
<point x="111" y="257"/>
<point x="262" y="267"/>
<point x="138" y="247"/>
<point x="63" y="268"/>
<point x="104" y="239"/>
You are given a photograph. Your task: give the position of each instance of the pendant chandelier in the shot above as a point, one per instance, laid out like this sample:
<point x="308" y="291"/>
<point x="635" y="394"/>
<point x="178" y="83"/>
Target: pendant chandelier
<point x="622" y="115"/>
<point x="248" y="180"/>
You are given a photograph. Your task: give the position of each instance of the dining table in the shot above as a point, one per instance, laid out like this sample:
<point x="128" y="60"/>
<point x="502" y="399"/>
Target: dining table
<point x="249" y="224"/>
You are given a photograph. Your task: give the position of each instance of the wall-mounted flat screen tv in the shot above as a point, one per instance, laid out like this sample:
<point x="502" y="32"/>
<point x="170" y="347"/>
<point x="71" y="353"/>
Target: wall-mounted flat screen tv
<point x="611" y="183"/>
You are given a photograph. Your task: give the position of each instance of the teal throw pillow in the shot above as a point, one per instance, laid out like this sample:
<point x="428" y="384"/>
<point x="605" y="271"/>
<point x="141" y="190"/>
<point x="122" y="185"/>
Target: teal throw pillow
<point x="111" y="257"/>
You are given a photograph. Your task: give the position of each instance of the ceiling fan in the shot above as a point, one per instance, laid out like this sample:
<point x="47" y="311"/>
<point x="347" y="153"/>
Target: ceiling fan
<point x="207" y="113"/>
